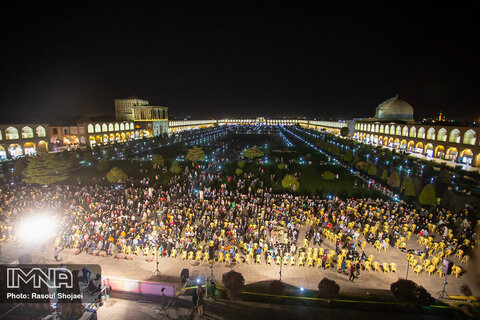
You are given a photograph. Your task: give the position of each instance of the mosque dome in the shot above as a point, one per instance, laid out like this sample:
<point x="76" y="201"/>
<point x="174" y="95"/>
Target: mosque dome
<point x="394" y="109"/>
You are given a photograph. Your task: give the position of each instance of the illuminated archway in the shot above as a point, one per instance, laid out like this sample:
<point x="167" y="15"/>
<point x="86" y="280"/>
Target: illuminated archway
<point x="419" y="148"/>
<point x="396" y="143"/>
<point x="451" y="154"/>
<point x="469" y="137"/>
<point x="105" y="139"/>
<point x="92" y="141"/>
<point x="387" y="129"/>
<point x="421" y="133"/>
<point x="112" y="138"/>
<point x="431" y="134"/>
<point x="403" y="144"/>
<point x="117" y="137"/>
<point x="454" y="136"/>
<point x="29" y="149"/>
<point x="429" y="150"/>
<point x="41" y="133"/>
<point x="11" y="133"/>
<point x="98" y="140"/>
<point x="3" y="153"/>
<point x="410" y="146"/>
<point x="439" y="152"/>
<point x="466" y="156"/>
<point x="405" y="131"/>
<point x="98" y="128"/>
<point x="122" y="136"/>
<point x="42" y="146"/>
<point x="15" y="150"/>
<point x="442" y="135"/>
<point x="413" y="132"/>
<point x="104" y="127"/>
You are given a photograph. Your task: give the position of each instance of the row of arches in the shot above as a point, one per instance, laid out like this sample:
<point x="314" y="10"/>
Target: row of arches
<point x="12" y="133"/>
<point x="117" y="137"/>
<point x="16" y="150"/>
<point x="465" y="156"/>
<point x="454" y="136"/>
<point x="91" y="128"/>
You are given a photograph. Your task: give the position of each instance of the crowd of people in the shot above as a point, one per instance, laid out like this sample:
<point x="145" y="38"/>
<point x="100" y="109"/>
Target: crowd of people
<point x="195" y="213"/>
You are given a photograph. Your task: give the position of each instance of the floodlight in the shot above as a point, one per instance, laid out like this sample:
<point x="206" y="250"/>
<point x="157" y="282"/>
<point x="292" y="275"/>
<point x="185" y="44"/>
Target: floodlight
<point x="36" y="228"/>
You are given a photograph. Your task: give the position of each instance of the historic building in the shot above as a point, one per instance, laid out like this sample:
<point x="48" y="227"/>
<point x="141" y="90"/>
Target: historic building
<point x="23" y="139"/>
<point x="393" y="127"/>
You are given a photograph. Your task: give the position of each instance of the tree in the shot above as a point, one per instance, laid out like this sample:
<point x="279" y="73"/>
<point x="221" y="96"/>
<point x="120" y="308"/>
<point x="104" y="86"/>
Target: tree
<point x="234" y="282"/>
<point x="344" y="131"/>
<point x="195" y="154"/>
<point x="103" y="165"/>
<point x="328" y="289"/>
<point x="427" y="196"/>
<point x="289" y="181"/>
<point x="253" y="152"/>
<point x="87" y="156"/>
<point x="238" y="171"/>
<point x="328" y="175"/>
<point x="116" y="174"/>
<point x="348" y="156"/>
<point x="175" y="168"/>
<point x="46" y="169"/>
<point x="157" y="160"/>
<point x="241" y="164"/>
<point x="362" y="165"/>
<point x="19" y="168"/>
<point x="384" y="174"/>
<point x="409" y="187"/>
<point x="372" y="170"/>
<point x="281" y="166"/>
<point x="394" y="180"/>
<point x="444" y="176"/>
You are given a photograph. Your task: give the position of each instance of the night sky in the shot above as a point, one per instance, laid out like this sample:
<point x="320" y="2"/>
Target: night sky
<point x="216" y="59"/>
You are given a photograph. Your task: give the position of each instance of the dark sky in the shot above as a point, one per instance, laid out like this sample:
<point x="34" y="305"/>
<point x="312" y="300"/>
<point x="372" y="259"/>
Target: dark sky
<point x="237" y="58"/>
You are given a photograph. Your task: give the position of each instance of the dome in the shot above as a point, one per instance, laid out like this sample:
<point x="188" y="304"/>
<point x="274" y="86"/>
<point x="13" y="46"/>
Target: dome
<point x="394" y="109"/>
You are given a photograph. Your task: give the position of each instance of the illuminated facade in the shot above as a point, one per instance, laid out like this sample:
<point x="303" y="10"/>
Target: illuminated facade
<point x="124" y="107"/>
<point x="17" y="140"/>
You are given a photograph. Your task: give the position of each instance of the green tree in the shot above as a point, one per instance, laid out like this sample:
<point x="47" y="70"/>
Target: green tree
<point x="281" y="166"/>
<point x="344" y="131"/>
<point x="444" y="176"/>
<point x="362" y="165"/>
<point x="289" y="182"/>
<point x="19" y="168"/>
<point x="195" y="154"/>
<point x="328" y="175"/>
<point x="238" y="171"/>
<point x="88" y="156"/>
<point x="116" y="174"/>
<point x="46" y="169"/>
<point x="409" y="187"/>
<point x="253" y="152"/>
<point x="372" y="170"/>
<point x="427" y="196"/>
<point x="157" y="160"/>
<point x="103" y="165"/>
<point x="348" y="156"/>
<point x="241" y="164"/>
<point x="394" y="180"/>
<point x="384" y="175"/>
<point x="175" y="168"/>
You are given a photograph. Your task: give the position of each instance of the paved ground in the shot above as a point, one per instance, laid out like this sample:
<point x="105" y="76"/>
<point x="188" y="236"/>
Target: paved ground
<point x="305" y="277"/>
<point x="121" y="309"/>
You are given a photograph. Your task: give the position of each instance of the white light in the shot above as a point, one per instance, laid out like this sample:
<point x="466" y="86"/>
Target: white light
<point x="301" y="289"/>
<point x="198" y="280"/>
<point x="36" y="229"/>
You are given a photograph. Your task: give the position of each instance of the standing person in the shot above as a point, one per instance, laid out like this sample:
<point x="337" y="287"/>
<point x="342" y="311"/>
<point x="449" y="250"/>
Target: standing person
<point x="352" y="273"/>
<point x="343" y="266"/>
<point x="324" y="261"/>
<point x="86" y="275"/>
<point x="195" y="298"/>
<point x="56" y="252"/>
<point x="358" y="269"/>
<point x="213" y="289"/>
<point x="201" y="302"/>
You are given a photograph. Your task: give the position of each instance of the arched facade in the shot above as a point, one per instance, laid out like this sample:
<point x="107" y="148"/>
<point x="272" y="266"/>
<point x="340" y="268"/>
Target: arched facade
<point x="451" y="143"/>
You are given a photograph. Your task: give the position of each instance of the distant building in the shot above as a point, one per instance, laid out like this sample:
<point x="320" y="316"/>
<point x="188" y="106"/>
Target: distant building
<point x="394" y="127"/>
<point x="17" y="140"/>
<point x="124" y="107"/>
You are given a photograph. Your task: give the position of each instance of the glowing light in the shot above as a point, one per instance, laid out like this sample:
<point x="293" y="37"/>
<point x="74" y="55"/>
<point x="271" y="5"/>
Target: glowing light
<point x="36" y="229"/>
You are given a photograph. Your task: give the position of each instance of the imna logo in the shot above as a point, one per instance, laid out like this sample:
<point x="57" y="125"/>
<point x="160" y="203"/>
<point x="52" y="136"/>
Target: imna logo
<point x="49" y="277"/>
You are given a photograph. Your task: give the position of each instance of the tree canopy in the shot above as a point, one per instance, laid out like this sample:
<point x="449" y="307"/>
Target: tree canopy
<point x="344" y="131"/>
<point x="116" y="174"/>
<point x="195" y="154"/>
<point x="253" y="152"/>
<point x="409" y="187"/>
<point x="394" y="180"/>
<point x="427" y="197"/>
<point x="46" y="169"/>
<point x="157" y="160"/>
<point x="289" y="182"/>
